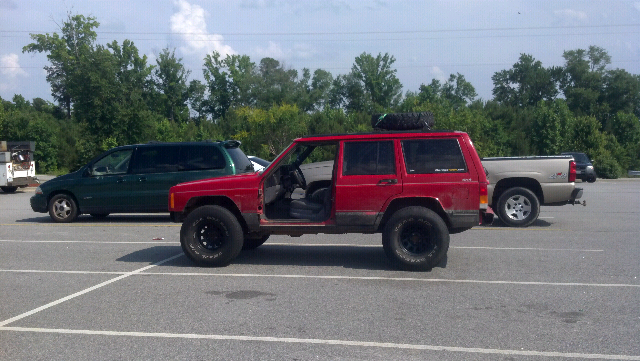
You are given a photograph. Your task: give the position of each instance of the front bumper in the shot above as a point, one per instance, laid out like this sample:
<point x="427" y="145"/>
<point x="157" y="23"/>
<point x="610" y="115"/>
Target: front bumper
<point x="38" y="203"/>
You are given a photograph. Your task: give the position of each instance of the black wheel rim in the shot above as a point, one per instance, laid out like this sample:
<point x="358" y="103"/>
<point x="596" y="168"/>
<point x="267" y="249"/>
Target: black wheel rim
<point x="416" y="238"/>
<point x="210" y="236"/>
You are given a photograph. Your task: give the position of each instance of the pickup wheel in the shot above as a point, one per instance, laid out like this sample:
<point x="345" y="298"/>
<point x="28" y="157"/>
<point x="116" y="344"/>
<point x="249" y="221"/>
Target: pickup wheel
<point x="518" y="207"/>
<point x="415" y="239"/>
<point x="253" y="242"/>
<point x="211" y="236"/>
<point x="63" y="208"/>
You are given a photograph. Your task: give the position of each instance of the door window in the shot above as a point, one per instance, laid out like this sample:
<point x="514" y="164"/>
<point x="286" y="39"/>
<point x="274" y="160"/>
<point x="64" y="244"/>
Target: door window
<point x="369" y="158"/>
<point x="113" y="163"/>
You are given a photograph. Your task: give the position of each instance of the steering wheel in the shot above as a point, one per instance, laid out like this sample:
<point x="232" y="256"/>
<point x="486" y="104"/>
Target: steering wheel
<point x="299" y="176"/>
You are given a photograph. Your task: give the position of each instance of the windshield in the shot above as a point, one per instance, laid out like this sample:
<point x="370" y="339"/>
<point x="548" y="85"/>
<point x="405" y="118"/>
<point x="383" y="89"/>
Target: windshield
<point x="580" y="157"/>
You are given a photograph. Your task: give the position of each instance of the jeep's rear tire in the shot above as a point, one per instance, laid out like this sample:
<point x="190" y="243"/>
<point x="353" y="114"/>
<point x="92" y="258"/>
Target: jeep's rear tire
<point x="253" y="242"/>
<point x="415" y="239"/>
<point x="518" y="207"/>
<point x="211" y="236"/>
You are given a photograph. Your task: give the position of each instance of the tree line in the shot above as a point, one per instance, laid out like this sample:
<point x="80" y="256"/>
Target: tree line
<point x="108" y="95"/>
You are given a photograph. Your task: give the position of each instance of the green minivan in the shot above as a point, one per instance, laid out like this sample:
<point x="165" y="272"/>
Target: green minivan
<point x="136" y="178"/>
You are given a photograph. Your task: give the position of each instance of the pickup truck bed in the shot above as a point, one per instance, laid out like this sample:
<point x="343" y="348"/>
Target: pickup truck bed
<point x="518" y="186"/>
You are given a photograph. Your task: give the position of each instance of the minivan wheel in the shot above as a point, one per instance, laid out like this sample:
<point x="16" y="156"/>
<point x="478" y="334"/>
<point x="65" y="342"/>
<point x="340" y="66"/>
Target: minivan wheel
<point x="211" y="236"/>
<point x="518" y="207"/>
<point x="415" y="239"/>
<point x="63" y="208"/>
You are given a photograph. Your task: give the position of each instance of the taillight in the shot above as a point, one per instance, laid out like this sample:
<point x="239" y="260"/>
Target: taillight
<point x="572" y="171"/>
<point x="484" y="196"/>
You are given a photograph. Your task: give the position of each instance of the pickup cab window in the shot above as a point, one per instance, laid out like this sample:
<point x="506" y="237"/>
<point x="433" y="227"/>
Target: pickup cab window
<point x="427" y="156"/>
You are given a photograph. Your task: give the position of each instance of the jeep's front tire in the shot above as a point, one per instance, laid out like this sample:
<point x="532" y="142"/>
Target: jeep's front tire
<point x="415" y="239"/>
<point x="211" y="236"/>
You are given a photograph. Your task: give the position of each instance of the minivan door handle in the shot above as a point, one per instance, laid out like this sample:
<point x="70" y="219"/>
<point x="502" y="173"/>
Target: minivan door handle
<point x="388" y="181"/>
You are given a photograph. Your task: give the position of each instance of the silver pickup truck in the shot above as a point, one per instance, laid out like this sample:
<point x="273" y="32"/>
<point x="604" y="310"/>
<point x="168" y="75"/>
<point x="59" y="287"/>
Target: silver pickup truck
<point x="520" y="185"/>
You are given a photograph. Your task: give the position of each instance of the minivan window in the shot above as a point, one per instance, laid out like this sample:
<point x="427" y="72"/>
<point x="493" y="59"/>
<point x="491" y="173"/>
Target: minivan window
<point x="425" y="156"/>
<point x="242" y="163"/>
<point x="156" y="159"/>
<point x="197" y="157"/>
<point x="113" y="163"/>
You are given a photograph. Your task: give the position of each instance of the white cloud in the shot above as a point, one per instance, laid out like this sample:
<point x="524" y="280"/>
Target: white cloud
<point x="272" y="51"/>
<point x="10" y="66"/>
<point x="438" y="74"/>
<point x="571" y="15"/>
<point x="189" y="22"/>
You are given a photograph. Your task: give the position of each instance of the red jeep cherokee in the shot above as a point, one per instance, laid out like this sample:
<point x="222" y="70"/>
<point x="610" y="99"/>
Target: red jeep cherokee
<point x="413" y="187"/>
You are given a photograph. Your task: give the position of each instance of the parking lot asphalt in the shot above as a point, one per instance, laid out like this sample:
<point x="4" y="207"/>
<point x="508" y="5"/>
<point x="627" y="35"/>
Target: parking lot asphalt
<point x="567" y="287"/>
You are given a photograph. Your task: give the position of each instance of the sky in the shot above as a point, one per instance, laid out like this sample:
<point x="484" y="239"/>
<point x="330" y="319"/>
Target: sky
<point x="429" y="39"/>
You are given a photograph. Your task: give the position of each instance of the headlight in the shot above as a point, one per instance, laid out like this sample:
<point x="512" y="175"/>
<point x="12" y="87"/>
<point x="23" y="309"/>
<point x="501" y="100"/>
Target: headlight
<point x="38" y="190"/>
<point x="589" y="167"/>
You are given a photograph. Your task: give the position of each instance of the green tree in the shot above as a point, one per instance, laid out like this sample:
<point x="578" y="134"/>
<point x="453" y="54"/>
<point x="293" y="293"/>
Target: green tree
<point x="170" y="80"/>
<point x="382" y="89"/>
<point x="457" y="91"/>
<point x="552" y="122"/>
<point x="231" y="82"/>
<point x="65" y="53"/>
<point x="525" y="84"/>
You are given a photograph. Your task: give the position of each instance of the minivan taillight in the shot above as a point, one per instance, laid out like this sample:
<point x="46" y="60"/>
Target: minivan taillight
<point x="572" y="171"/>
<point x="484" y="195"/>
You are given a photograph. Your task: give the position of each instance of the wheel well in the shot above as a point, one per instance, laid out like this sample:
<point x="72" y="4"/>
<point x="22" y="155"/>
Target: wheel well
<point x="504" y="184"/>
<point x="429" y="203"/>
<point x="53" y="194"/>
<point x="221" y="201"/>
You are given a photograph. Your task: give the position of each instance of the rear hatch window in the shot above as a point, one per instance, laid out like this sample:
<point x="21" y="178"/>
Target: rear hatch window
<point x="240" y="160"/>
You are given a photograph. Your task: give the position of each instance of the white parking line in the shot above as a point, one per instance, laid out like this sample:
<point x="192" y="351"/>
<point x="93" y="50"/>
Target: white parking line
<point x="57" y="302"/>
<point x="359" y="278"/>
<point x="323" y="245"/>
<point x="472" y="350"/>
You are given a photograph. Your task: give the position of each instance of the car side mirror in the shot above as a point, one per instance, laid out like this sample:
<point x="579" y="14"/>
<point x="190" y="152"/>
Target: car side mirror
<point x="86" y="172"/>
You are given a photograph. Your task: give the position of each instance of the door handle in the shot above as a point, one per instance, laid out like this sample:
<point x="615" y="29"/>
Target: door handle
<point x="120" y="180"/>
<point x="388" y="181"/>
<point x="142" y="179"/>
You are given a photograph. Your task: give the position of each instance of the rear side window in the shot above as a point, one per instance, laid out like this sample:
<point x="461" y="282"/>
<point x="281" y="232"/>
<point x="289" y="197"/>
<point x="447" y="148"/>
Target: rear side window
<point x="157" y="159"/>
<point x="426" y="156"/>
<point x="196" y="157"/>
<point x="368" y="158"/>
<point x="242" y="163"/>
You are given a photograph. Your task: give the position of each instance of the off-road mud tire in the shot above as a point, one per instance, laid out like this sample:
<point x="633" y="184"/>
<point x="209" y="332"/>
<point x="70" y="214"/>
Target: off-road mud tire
<point x="211" y="236"/>
<point x="415" y="239"/>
